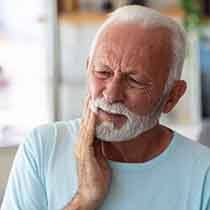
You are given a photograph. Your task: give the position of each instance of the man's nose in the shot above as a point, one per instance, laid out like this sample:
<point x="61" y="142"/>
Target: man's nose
<point x="114" y="91"/>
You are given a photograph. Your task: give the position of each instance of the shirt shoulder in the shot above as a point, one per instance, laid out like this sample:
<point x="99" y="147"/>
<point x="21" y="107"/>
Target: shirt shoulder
<point x="192" y="151"/>
<point x="48" y="142"/>
<point x="50" y="134"/>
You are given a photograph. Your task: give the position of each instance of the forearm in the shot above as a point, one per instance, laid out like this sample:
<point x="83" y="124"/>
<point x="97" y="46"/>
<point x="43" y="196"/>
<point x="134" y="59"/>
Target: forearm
<point x="77" y="204"/>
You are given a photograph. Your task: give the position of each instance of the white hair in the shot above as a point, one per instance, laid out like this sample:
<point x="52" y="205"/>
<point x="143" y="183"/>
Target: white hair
<point x="150" y="18"/>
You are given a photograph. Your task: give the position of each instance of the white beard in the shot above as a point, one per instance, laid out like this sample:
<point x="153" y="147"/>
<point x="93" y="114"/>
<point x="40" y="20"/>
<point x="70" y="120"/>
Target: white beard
<point x="134" y="125"/>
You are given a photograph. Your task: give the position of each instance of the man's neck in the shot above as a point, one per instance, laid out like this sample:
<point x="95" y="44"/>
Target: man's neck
<point x="141" y="149"/>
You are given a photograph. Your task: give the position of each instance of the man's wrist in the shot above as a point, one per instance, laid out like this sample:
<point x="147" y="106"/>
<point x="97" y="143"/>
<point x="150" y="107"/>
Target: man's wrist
<point x="78" y="204"/>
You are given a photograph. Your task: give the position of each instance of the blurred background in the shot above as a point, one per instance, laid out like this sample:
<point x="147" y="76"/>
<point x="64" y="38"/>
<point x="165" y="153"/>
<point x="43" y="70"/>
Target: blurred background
<point x="43" y="49"/>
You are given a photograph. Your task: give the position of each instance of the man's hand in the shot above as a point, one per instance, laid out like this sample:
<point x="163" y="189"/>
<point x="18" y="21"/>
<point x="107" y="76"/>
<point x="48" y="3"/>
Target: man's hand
<point x="94" y="173"/>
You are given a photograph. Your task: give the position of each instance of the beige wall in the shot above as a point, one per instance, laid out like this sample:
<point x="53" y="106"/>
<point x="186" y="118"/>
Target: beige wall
<point x="6" y="159"/>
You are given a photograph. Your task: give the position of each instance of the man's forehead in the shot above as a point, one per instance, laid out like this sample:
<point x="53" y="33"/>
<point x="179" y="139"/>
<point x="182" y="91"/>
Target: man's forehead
<point x="116" y="31"/>
<point x="133" y="36"/>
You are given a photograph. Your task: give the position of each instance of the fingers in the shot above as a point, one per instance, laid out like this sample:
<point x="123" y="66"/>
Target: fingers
<point x="86" y="109"/>
<point x="91" y="129"/>
<point x="87" y="130"/>
<point x="88" y="119"/>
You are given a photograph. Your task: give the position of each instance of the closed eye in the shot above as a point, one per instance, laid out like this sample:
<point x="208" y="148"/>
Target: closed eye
<point x="102" y="74"/>
<point x="132" y="82"/>
<point x="102" y="71"/>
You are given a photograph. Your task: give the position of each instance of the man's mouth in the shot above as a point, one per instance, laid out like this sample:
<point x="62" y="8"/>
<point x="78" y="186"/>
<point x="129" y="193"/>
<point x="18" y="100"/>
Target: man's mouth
<point x="117" y="119"/>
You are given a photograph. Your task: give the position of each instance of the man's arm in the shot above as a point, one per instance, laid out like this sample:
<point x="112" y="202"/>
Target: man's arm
<point x="25" y="188"/>
<point x="94" y="173"/>
<point x="77" y="204"/>
<point x="74" y="205"/>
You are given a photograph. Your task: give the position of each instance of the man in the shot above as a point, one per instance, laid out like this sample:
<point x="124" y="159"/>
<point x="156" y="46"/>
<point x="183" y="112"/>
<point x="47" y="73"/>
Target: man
<point x="121" y="158"/>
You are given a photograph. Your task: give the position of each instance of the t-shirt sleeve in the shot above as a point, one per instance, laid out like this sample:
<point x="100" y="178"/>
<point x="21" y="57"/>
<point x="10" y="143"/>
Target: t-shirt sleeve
<point x="25" y="189"/>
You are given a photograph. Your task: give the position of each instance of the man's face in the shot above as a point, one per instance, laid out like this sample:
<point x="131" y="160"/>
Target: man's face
<point x="130" y="65"/>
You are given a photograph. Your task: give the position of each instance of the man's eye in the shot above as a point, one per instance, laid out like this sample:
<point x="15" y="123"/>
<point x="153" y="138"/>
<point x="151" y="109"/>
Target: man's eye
<point x="102" y="74"/>
<point x="135" y="83"/>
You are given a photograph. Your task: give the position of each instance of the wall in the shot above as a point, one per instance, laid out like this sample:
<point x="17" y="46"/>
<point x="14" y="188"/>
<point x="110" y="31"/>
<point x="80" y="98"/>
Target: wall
<point x="6" y="159"/>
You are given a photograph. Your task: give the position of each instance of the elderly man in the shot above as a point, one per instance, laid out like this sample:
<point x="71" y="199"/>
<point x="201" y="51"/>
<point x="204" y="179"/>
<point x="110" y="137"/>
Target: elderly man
<point x="121" y="157"/>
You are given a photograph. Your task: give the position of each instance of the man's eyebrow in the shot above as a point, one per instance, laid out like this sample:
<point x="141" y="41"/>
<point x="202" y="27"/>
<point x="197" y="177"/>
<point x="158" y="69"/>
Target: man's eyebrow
<point x="100" y="64"/>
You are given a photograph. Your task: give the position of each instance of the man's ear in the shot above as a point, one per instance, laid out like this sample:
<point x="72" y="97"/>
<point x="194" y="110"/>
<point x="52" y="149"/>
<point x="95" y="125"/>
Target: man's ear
<point x="176" y="93"/>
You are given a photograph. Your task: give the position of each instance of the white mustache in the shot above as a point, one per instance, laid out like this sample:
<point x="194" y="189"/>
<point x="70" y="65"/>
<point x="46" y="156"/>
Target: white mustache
<point x="117" y="108"/>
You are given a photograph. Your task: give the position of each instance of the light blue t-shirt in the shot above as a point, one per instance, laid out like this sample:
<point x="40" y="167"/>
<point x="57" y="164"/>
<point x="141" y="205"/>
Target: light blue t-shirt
<point x="43" y="176"/>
